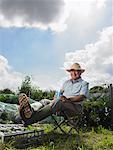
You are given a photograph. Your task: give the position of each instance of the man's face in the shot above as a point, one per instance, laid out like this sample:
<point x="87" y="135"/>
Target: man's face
<point x="75" y="74"/>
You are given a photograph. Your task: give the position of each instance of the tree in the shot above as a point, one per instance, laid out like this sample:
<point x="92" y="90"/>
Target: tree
<point x="34" y="92"/>
<point x="6" y="91"/>
<point x="26" y="86"/>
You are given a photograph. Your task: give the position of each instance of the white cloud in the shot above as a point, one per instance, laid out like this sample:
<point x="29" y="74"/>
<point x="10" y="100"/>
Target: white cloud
<point x="45" y="14"/>
<point x="96" y="57"/>
<point x="85" y="7"/>
<point x="9" y="78"/>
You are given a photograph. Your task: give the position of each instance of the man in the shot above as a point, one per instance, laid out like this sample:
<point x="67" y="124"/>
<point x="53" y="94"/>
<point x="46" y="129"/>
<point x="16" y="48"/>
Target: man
<point x="74" y="90"/>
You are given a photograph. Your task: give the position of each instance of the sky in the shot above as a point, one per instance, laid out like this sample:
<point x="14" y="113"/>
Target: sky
<point x="42" y="38"/>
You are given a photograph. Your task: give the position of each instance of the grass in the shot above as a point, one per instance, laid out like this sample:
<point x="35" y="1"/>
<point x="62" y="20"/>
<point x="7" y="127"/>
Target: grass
<point x="95" y="139"/>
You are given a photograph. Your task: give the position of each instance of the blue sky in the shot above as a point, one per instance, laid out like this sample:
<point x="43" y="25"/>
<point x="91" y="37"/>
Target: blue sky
<point x="29" y="48"/>
<point x="41" y="51"/>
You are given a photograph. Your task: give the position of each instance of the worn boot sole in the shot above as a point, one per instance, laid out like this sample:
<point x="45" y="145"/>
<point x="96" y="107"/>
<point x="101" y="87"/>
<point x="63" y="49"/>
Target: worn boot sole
<point x="25" y="108"/>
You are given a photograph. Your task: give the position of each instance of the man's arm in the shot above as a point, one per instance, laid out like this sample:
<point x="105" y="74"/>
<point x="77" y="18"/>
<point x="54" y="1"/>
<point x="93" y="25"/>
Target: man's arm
<point x="77" y="98"/>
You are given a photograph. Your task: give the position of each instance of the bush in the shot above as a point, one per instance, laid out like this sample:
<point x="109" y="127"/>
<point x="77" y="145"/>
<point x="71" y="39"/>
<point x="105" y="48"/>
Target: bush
<point x="9" y="98"/>
<point x="38" y="94"/>
<point x="97" y="113"/>
<point x="6" y="91"/>
<point x="34" y="92"/>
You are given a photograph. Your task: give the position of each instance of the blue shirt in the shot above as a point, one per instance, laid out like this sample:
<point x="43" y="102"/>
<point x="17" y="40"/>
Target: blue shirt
<point x="75" y="87"/>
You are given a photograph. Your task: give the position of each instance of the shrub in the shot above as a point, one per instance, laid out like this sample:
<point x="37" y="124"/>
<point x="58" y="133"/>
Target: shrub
<point x="9" y="98"/>
<point x="97" y="113"/>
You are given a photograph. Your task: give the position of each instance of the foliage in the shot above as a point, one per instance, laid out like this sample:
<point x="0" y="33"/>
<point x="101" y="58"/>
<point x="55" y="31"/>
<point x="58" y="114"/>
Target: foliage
<point x="89" y="140"/>
<point x="97" y="113"/>
<point x="26" y="86"/>
<point x="97" y="89"/>
<point x="34" y="92"/>
<point x="38" y="94"/>
<point x="6" y="91"/>
<point x="9" y="98"/>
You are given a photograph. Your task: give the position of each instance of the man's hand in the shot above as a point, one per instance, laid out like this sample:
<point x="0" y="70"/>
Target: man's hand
<point x="63" y="98"/>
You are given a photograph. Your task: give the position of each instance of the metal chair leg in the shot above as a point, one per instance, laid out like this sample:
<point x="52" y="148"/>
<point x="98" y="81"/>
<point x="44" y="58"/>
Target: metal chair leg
<point x="72" y="122"/>
<point x="58" y="125"/>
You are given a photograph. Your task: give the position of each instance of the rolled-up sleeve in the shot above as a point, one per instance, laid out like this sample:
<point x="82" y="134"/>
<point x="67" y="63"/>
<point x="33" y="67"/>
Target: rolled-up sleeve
<point x="85" y="89"/>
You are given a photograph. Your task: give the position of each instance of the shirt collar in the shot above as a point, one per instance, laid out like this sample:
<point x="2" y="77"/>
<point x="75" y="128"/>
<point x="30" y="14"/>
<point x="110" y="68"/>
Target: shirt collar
<point x="77" y="80"/>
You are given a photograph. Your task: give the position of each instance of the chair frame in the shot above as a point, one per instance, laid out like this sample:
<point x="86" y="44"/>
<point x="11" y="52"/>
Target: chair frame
<point x="72" y="121"/>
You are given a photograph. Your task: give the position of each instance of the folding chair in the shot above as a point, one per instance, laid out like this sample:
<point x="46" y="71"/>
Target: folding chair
<point x="73" y="121"/>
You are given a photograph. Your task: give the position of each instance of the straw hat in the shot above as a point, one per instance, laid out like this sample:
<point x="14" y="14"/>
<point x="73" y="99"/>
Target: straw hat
<point x="75" y="66"/>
